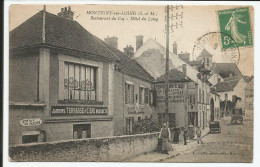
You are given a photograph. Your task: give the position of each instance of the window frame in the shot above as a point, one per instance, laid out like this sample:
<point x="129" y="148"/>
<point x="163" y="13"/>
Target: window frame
<point x="131" y="99"/>
<point x="92" y="77"/>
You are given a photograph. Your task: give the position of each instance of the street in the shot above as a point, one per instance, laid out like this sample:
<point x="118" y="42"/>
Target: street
<point x="233" y="144"/>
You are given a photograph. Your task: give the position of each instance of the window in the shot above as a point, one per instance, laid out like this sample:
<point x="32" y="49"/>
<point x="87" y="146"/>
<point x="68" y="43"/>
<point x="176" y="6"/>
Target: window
<point x="79" y="82"/>
<point x="218" y="79"/>
<point x="141" y="95"/>
<point x="207" y="61"/>
<point x="81" y="131"/>
<point x="203" y="97"/>
<point x="129" y="93"/>
<point x="30" y="139"/>
<point x="199" y="95"/>
<point x="226" y="96"/>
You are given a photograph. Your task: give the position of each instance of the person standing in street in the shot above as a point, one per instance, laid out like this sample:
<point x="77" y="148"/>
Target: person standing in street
<point x="165" y="134"/>
<point x="191" y="131"/>
<point x="176" y="134"/>
<point x="185" y="133"/>
<point x="198" y="132"/>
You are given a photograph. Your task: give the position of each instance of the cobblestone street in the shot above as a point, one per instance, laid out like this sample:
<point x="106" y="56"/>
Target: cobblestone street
<point x="237" y="138"/>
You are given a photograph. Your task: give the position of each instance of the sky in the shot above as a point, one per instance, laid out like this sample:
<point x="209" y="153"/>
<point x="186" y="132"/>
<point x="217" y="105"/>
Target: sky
<point x="197" y="21"/>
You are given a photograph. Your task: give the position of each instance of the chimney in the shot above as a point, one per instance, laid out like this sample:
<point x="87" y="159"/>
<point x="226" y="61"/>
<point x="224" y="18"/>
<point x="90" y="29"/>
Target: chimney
<point x="67" y="14"/>
<point x="175" y="48"/>
<point x="129" y="50"/>
<point x="139" y="41"/>
<point x="112" y="41"/>
<point x="184" y="69"/>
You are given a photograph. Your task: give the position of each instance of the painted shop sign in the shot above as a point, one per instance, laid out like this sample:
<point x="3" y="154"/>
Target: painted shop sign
<point x="78" y="110"/>
<point x="31" y="122"/>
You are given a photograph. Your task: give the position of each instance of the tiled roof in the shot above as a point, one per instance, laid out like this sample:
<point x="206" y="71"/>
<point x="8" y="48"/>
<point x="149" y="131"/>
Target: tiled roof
<point x="224" y="69"/>
<point x="174" y="76"/>
<point x="226" y="86"/>
<point x="59" y="32"/>
<point x="128" y="65"/>
<point x="68" y="34"/>
<point x="204" y="53"/>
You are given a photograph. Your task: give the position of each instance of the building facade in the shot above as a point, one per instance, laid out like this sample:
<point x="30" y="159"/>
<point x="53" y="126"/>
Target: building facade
<point x="65" y="83"/>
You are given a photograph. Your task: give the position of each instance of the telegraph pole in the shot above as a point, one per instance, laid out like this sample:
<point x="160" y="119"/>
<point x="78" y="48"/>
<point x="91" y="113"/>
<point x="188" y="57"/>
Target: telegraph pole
<point x="177" y="24"/>
<point x="167" y="68"/>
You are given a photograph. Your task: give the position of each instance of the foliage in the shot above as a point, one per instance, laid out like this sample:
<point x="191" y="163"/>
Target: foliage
<point x="146" y="125"/>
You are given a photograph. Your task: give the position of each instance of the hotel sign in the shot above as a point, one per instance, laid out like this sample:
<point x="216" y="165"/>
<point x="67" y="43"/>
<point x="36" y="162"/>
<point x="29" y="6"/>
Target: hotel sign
<point x="78" y="110"/>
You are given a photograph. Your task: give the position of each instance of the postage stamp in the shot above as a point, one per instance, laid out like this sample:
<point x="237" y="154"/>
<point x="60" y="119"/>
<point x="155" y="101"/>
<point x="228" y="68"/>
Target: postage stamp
<point x="236" y="23"/>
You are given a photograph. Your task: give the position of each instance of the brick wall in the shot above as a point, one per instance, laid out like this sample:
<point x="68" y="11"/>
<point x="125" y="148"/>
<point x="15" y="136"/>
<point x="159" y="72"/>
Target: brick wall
<point x="100" y="149"/>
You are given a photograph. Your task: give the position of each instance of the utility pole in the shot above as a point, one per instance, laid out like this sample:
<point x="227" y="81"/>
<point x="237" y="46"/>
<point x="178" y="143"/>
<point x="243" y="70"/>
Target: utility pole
<point x="167" y="67"/>
<point x="174" y="18"/>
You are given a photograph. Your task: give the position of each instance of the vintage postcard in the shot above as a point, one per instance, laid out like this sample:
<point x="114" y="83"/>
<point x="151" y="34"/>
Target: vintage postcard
<point x="131" y="83"/>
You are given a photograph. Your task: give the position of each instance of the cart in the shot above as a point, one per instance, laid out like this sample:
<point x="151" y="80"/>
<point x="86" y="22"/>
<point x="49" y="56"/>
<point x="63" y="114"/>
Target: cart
<point x="237" y="116"/>
<point x="214" y="127"/>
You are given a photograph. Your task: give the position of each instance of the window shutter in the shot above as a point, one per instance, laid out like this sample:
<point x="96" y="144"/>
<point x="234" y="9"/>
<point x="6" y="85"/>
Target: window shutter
<point x="146" y="94"/>
<point x="150" y="102"/>
<point x="126" y="93"/>
<point x="154" y="98"/>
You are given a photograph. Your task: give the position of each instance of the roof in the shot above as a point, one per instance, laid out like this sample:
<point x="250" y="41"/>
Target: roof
<point x="205" y="53"/>
<point x="195" y="63"/>
<point x="128" y="65"/>
<point x="174" y="76"/>
<point x="226" y="86"/>
<point x="247" y="78"/>
<point x="250" y="85"/>
<point x="69" y="34"/>
<point x="59" y="32"/>
<point x="224" y="69"/>
<point x="232" y="78"/>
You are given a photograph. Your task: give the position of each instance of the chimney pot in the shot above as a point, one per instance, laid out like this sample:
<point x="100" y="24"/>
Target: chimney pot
<point x="69" y="8"/>
<point x="67" y="14"/>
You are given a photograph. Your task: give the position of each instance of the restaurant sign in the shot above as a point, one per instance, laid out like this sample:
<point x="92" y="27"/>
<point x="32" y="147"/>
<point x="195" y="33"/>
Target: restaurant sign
<point x="31" y="122"/>
<point x="78" y="110"/>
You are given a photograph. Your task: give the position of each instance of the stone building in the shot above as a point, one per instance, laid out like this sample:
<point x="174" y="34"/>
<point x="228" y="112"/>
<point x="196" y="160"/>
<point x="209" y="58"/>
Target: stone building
<point x="249" y="95"/>
<point x="65" y="83"/>
<point x="183" y="98"/>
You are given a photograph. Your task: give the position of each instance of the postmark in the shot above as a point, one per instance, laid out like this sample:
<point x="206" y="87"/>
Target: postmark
<point x="211" y="42"/>
<point x="236" y="23"/>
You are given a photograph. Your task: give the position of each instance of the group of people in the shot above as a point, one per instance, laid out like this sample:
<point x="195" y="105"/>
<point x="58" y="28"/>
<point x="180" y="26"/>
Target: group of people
<point x="188" y="133"/>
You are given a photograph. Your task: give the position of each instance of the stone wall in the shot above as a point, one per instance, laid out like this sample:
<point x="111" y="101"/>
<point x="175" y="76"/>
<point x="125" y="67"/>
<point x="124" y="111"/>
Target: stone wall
<point x="117" y="148"/>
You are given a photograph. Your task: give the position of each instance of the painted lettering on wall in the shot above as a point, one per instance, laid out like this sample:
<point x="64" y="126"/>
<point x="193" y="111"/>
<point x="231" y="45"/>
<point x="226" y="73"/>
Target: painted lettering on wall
<point x="31" y="122"/>
<point x="78" y="110"/>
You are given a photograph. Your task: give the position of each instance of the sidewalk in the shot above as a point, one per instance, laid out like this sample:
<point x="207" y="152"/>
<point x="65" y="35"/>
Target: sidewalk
<point x="178" y="149"/>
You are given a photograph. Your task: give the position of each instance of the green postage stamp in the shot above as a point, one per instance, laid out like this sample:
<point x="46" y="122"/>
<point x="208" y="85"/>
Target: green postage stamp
<point x="235" y="23"/>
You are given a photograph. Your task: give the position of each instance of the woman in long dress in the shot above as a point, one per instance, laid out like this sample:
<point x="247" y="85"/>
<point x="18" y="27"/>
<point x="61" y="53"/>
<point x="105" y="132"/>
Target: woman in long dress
<point x="176" y="135"/>
<point x="232" y="26"/>
<point x="165" y="134"/>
